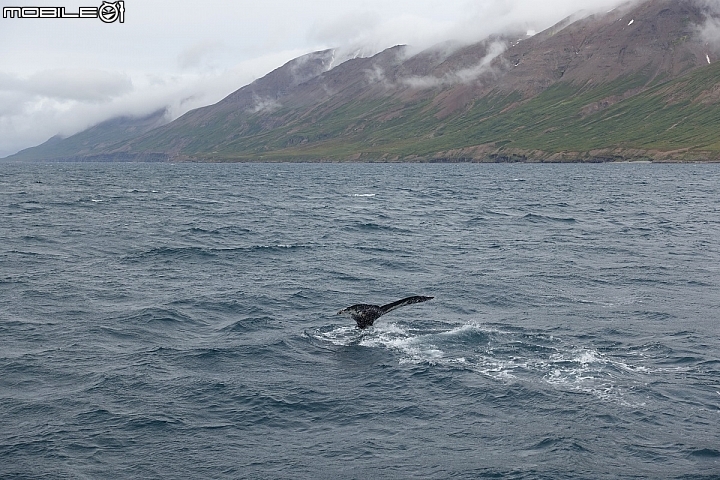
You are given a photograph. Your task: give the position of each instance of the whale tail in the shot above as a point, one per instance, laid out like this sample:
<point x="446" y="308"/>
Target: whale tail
<point x="365" y="315"/>
<point x="401" y="303"/>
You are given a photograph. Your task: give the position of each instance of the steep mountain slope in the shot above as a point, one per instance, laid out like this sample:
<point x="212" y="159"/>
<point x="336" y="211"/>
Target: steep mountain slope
<point x="93" y="142"/>
<point x="636" y="82"/>
<point x="658" y="39"/>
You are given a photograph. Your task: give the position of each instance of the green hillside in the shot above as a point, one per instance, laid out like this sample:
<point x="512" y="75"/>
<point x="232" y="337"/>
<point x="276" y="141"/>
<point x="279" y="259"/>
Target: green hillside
<point x="94" y="141"/>
<point x="681" y="116"/>
<point x="595" y="89"/>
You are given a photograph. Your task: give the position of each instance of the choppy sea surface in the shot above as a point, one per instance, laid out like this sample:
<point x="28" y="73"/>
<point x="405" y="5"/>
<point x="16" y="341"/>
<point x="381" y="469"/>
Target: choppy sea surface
<point x="179" y="321"/>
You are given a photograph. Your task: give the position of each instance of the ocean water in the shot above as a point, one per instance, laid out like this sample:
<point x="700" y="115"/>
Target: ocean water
<point x="179" y="321"/>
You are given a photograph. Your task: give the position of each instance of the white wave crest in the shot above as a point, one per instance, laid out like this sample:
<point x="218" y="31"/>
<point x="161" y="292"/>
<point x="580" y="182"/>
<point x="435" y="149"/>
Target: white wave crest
<point x="502" y="355"/>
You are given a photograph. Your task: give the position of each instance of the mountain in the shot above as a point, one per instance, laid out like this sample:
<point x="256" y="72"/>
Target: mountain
<point x="91" y="144"/>
<point x="639" y="82"/>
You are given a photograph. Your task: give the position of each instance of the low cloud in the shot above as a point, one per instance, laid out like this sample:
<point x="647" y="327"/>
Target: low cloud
<point x="84" y="85"/>
<point x="198" y="55"/>
<point x="187" y="57"/>
<point x="264" y="105"/>
<point x="465" y="75"/>
<point x="305" y="67"/>
<point x="346" y="29"/>
<point x="710" y="30"/>
<point x="464" y="22"/>
<point x="33" y="110"/>
<point x="376" y="75"/>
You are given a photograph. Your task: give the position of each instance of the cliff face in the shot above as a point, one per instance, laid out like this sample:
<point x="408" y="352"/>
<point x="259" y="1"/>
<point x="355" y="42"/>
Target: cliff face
<point x="637" y="82"/>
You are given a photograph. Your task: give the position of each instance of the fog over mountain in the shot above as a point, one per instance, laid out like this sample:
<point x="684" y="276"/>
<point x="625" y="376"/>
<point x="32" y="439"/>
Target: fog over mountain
<point x="710" y="30"/>
<point x="637" y="82"/>
<point x="61" y="76"/>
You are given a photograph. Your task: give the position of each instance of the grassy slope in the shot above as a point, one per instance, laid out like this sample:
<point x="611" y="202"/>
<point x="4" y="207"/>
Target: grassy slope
<point x="91" y="141"/>
<point x="666" y="117"/>
<point x="557" y="124"/>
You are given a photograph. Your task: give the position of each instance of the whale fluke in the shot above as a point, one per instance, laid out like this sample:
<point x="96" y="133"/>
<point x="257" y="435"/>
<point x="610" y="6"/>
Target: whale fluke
<point x="365" y="315"/>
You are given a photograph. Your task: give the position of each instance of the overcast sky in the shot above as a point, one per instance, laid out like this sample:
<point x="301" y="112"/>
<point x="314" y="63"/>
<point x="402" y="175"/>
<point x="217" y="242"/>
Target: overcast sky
<point x="60" y="76"/>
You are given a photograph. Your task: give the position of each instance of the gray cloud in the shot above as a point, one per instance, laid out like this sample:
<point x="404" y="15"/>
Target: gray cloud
<point x="69" y="84"/>
<point x="33" y="110"/>
<point x="430" y="22"/>
<point x="376" y="75"/>
<point x="710" y="31"/>
<point x="264" y="105"/>
<point x="465" y="75"/>
<point x="82" y="85"/>
<point x="198" y="54"/>
<point x="190" y="55"/>
<point x="347" y="29"/>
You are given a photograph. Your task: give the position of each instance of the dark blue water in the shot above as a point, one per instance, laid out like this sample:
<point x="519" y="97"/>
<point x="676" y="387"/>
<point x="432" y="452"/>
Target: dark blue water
<point x="178" y="321"/>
